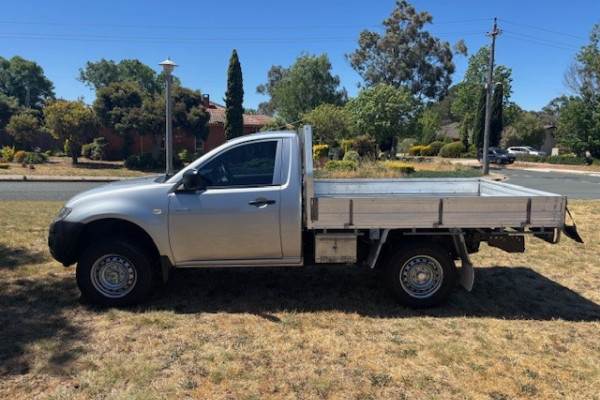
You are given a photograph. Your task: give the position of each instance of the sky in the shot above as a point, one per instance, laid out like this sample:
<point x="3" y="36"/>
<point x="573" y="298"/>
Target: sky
<point x="539" y="40"/>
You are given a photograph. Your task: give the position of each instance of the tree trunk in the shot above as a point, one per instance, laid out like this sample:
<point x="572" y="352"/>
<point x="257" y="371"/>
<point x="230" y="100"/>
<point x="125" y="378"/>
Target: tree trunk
<point x="394" y="149"/>
<point x="74" y="160"/>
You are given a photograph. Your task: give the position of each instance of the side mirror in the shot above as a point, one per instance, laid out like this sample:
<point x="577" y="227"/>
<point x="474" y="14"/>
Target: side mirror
<point x="194" y="181"/>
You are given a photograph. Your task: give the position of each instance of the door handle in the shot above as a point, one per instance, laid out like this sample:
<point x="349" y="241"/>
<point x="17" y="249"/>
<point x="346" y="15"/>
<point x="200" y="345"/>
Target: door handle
<point x="261" y="202"/>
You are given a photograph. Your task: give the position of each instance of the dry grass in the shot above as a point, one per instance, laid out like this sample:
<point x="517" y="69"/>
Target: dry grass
<point x="61" y="166"/>
<point x="529" y="329"/>
<point x="424" y="167"/>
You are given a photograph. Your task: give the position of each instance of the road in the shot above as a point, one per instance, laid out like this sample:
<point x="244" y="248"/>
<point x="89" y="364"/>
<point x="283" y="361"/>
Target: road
<point x="44" y="191"/>
<point x="575" y="186"/>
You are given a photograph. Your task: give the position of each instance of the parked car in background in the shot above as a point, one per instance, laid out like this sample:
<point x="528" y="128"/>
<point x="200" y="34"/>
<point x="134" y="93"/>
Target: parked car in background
<point x="526" y="150"/>
<point x="497" y="155"/>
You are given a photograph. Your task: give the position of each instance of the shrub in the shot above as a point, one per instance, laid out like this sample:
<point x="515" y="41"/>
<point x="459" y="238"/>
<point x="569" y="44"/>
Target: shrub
<point x="185" y="156"/>
<point x="405" y="145"/>
<point x="86" y="150"/>
<point x="35" y="158"/>
<point x="567" y="160"/>
<point x="530" y="158"/>
<point x="365" y="146"/>
<point x="341" y="165"/>
<point x="352" y="155"/>
<point x="320" y="151"/>
<point x="98" y="146"/>
<point x="452" y="150"/>
<point x="8" y="153"/>
<point x="19" y="156"/>
<point x="4" y="166"/>
<point x="433" y="149"/>
<point x="401" y="167"/>
<point x="145" y="162"/>
<point x="416" y="150"/>
<point x="347" y="145"/>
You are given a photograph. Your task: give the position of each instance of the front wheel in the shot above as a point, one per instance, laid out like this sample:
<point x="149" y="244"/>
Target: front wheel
<point x="420" y="275"/>
<point x="114" y="273"/>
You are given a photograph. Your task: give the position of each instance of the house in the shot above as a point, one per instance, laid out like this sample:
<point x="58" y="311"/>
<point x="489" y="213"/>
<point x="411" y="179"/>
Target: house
<point x="451" y="130"/>
<point x="216" y="134"/>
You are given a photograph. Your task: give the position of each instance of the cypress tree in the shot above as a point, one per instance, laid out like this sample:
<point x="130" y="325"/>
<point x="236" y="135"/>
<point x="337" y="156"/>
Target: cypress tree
<point x="479" y="129"/>
<point x="234" y="97"/>
<point x="496" y="124"/>
<point x="464" y="132"/>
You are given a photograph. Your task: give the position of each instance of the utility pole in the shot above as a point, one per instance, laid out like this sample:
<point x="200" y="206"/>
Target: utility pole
<point x="488" y="101"/>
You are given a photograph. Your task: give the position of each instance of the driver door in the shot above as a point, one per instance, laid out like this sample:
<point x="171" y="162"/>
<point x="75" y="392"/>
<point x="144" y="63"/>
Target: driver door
<point x="237" y="216"/>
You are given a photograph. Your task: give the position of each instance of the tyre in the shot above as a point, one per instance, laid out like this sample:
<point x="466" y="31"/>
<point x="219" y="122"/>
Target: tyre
<point x="114" y="273"/>
<point x="420" y="275"/>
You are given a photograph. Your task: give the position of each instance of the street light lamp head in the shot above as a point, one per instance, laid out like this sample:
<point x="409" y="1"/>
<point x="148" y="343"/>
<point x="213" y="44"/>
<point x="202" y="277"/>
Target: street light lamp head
<point x="168" y="66"/>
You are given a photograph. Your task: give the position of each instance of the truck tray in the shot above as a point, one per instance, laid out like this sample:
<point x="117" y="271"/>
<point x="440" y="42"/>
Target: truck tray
<point x="432" y="203"/>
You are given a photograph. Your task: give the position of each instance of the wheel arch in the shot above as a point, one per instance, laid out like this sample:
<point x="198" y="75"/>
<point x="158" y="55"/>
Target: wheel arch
<point x="114" y="227"/>
<point x="401" y="238"/>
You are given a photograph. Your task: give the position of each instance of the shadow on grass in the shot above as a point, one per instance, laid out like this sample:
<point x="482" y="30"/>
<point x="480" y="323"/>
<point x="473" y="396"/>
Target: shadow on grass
<point x="499" y="292"/>
<point x="15" y="257"/>
<point x="35" y="312"/>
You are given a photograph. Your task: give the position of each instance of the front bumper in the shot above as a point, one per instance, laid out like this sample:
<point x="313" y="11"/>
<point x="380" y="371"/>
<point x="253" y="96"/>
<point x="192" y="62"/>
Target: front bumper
<point x="62" y="241"/>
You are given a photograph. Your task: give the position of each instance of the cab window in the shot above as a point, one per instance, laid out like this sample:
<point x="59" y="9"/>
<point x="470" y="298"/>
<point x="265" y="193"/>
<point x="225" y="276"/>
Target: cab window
<point x="250" y="164"/>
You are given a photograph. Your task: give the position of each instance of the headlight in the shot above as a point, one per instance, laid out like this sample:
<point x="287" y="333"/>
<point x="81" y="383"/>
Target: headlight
<point x="63" y="214"/>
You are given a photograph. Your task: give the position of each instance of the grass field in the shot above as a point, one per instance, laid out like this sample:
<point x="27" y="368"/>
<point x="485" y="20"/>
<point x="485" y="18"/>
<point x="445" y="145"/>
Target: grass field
<point x="61" y="166"/>
<point x="529" y="330"/>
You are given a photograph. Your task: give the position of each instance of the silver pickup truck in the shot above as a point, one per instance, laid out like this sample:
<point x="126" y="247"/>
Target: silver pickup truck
<point x="253" y="202"/>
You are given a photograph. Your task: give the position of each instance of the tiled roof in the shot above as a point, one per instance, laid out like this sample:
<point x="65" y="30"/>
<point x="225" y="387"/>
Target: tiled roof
<point x="217" y="116"/>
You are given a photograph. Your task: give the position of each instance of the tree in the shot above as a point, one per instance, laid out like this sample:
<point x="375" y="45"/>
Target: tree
<point x="496" y="121"/>
<point x="406" y="55"/>
<point x="444" y="107"/>
<point x="25" y="81"/>
<point x="579" y="116"/>
<point x="429" y="122"/>
<point x="527" y="130"/>
<point x="268" y="89"/>
<point x="479" y="128"/>
<point x="189" y="114"/>
<point x="8" y="107"/>
<point x="307" y="84"/>
<point x="119" y="108"/>
<point x="330" y="123"/>
<point x="386" y="113"/>
<point x="126" y="109"/>
<point x="465" y="105"/>
<point x="583" y="76"/>
<point x="579" y="126"/>
<point x="72" y="121"/>
<point x="24" y="127"/>
<point x="234" y="99"/>
<point x="100" y="74"/>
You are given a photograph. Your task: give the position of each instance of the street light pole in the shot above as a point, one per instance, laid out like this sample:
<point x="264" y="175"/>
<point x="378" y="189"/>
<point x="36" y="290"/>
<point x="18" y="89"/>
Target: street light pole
<point x="168" y="67"/>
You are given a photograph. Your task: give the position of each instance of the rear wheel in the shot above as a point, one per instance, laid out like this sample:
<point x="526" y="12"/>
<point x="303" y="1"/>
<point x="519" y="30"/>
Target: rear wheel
<point x="420" y="275"/>
<point x="113" y="272"/>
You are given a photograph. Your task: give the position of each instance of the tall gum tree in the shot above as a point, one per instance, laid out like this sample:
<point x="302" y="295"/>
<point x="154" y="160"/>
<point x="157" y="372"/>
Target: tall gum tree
<point x="406" y="55"/>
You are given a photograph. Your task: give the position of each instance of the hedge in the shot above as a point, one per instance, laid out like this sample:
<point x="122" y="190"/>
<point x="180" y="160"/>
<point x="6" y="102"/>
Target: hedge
<point x="401" y="167"/>
<point x="341" y="165"/>
<point x="452" y="150"/>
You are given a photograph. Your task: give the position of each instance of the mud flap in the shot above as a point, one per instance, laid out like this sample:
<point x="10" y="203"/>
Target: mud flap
<point x="467" y="272"/>
<point x="570" y="231"/>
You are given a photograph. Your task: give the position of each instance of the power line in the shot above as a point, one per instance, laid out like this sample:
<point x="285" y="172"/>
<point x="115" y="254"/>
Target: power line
<point x="138" y="39"/>
<point x="541" y="41"/>
<point x="544" y="30"/>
